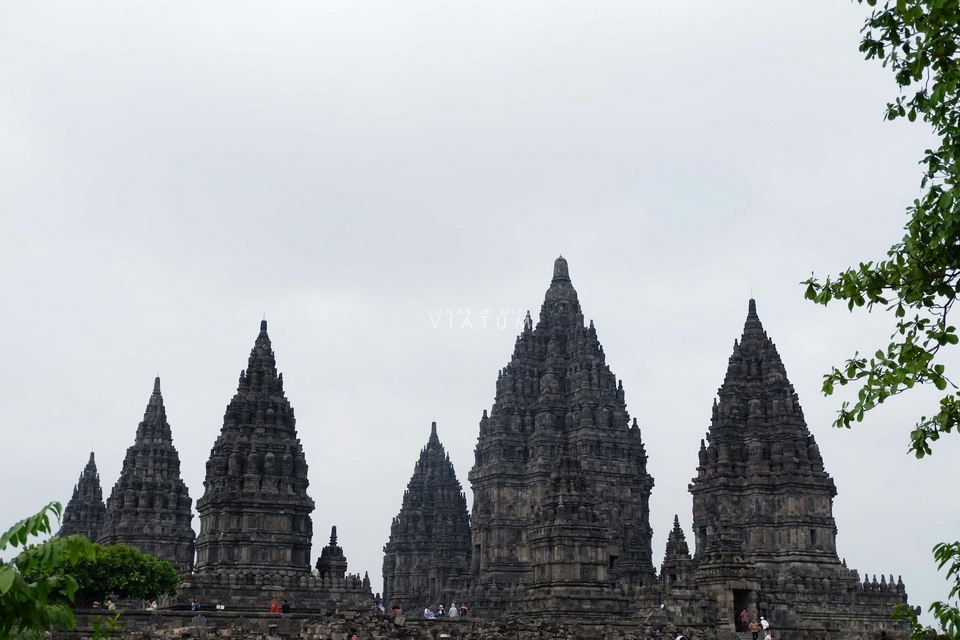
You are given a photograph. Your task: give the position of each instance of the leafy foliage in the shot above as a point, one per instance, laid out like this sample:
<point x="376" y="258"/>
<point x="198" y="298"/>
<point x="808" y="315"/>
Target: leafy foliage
<point x="26" y="609"/>
<point x="947" y="615"/>
<point x="122" y="571"/>
<point x="919" y="280"/>
<point x="103" y="629"/>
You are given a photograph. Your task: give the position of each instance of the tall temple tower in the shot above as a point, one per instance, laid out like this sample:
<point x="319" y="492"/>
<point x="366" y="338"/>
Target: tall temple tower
<point x="84" y="511"/>
<point x="255" y="511"/>
<point x="559" y="431"/>
<point x="430" y="537"/>
<point x="763" y="506"/>
<point x="760" y="466"/>
<point x="149" y="508"/>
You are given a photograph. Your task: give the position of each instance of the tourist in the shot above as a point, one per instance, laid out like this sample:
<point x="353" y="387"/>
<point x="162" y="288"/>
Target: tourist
<point x="195" y="605"/>
<point x="439" y="610"/>
<point x="765" y="626"/>
<point x="429" y="614"/>
<point x="754" y="628"/>
<point x="463" y="609"/>
<point x="381" y="608"/>
<point x="453" y="610"/>
<point x="151" y="605"/>
<point x="354" y="636"/>
<point x="274" y="607"/>
<point x="110" y="605"/>
<point x="286" y="607"/>
<point x="744" y="620"/>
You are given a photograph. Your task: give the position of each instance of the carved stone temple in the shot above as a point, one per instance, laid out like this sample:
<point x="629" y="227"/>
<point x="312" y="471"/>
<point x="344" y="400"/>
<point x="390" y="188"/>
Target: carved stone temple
<point x="428" y="555"/>
<point x="84" y="513"/>
<point x="255" y="525"/>
<point x="149" y="508"/>
<point x="763" y="507"/>
<point x="561" y="490"/>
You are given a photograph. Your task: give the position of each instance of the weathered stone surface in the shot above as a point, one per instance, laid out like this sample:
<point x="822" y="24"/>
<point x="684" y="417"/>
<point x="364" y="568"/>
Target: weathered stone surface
<point x="84" y="512"/>
<point x="428" y="555"/>
<point x="255" y="511"/>
<point x="149" y="507"/>
<point x="557" y="407"/>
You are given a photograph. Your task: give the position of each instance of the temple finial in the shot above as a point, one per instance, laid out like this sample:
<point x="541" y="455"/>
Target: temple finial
<point x="263" y="326"/>
<point x="752" y="309"/>
<point x="156" y="384"/>
<point x="560" y="269"/>
<point x="433" y="428"/>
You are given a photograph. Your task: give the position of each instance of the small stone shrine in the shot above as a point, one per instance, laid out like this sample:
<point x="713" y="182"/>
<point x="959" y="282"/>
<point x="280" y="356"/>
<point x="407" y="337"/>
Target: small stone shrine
<point x="428" y="555"/>
<point x="332" y="563"/>
<point x="149" y="508"/>
<point x="84" y="513"/>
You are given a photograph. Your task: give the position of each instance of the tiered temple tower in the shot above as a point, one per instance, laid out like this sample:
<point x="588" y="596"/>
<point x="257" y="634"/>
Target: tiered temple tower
<point x="149" y="508"/>
<point x="763" y="506"/>
<point x="557" y="403"/>
<point x="84" y="512"/>
<point x="255" y="511"/>
<point x="430" y="538"/>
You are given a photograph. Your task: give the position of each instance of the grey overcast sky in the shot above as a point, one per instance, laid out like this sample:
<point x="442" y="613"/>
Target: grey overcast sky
<point x="171" y="172"/>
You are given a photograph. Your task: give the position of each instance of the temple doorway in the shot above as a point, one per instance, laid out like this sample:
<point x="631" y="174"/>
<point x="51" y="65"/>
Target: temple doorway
<point x="741" y="602"/>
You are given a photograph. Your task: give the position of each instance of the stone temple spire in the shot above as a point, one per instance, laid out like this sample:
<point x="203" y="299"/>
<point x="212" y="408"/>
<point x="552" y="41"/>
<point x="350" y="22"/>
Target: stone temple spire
<point x="555" y="399"/>
<point x="149" y="508"/>
<point x="255" y="511"/>
<point x="676" y="572"/>
<point x="430" y="538"/>
<point x="84" y="512"/>
<point x="760" y="453"/>
<point x="677" y="542"/>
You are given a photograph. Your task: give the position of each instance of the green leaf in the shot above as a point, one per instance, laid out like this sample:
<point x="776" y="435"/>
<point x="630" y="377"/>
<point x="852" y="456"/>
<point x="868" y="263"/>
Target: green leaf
<point x="7" y="575"/>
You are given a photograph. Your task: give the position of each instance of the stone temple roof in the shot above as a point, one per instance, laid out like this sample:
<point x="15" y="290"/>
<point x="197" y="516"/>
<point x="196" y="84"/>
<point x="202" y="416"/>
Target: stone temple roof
<point x="84" y="511"/>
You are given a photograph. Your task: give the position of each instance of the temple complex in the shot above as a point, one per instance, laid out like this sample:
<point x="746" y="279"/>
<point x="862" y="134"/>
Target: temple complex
<point x="559" y="465"/>
<point x="428" y="555"/>
<point x="149" y="508"/>
<point x="84" y="513"/>
<point x="560" y="525"/>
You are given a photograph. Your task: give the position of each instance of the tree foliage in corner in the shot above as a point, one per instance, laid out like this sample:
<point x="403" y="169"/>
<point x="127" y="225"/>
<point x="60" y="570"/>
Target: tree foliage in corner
<point x="122" y="571"/>
<point x="919" y="279"/>
<point x="26" y="606"/>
